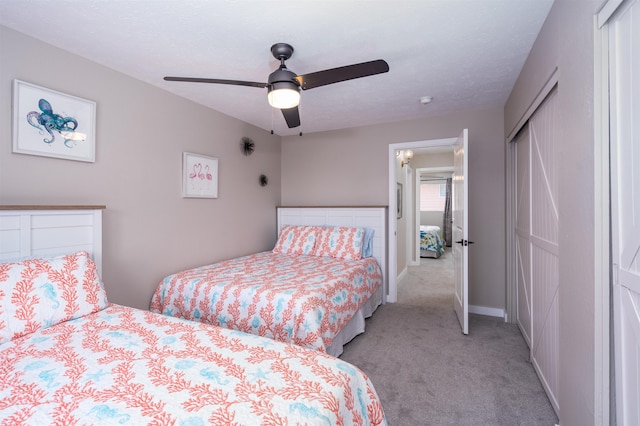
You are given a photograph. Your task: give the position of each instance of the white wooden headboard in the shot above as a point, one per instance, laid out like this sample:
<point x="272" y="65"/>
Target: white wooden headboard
<point x="27" y="231"/>
<point x="362" y="217"/>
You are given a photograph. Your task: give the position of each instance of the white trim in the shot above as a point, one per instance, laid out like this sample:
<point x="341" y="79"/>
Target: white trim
<point x="511" y="259"/>
<point x="548" y="86"/>
<point x="607" y="10"/>
<point x="409" y="199"/>
<point x="602" y="219"/>
<point x="485" y="310"/>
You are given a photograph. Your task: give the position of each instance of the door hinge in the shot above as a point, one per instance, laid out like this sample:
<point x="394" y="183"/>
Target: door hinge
<point x="465" y="242"/>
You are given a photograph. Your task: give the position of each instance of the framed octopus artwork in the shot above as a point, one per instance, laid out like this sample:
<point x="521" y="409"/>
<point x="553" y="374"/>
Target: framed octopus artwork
<point x="53" y="124"/>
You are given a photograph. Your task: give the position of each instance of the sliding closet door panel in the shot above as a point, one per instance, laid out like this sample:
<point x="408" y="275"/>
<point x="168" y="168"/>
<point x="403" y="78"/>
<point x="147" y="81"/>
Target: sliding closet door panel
<point x="544" y="190"/>
<point x="545" y="349"/>
<point x="522" y="231"/>
<point x="544" y="245"/>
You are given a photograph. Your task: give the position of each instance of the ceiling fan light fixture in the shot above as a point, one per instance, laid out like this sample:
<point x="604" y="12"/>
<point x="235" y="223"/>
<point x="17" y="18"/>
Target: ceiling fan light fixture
<point x="283" y="85"/>
<point x="283" y="95"/>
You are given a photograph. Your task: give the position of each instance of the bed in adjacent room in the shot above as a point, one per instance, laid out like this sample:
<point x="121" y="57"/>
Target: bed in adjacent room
<point x="431" y="243"/>
<point x="67" y="356"/>
<point x="315" y="288"/>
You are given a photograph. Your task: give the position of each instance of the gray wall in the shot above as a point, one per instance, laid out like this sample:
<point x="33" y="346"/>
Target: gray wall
<point x="149" y="229"/>
<point x="432" y="218"/>
<point x="566" y="41"/>
<point x="350" y="167"/>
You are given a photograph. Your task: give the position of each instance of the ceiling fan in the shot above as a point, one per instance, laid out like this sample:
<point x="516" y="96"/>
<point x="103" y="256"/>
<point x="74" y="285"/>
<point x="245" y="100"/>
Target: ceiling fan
<point x="283" y="85"/>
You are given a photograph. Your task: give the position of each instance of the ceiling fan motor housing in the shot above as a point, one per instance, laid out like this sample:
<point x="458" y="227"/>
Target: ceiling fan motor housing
<point x="282" y="78"/>
<point x="282" y="75"/>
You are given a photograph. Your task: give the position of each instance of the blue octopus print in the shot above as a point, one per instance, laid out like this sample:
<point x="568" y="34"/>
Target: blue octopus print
<point x="47" y="121"/>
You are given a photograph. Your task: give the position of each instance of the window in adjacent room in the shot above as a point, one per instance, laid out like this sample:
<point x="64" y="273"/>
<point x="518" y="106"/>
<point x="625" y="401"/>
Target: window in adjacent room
<point x="432" y="196"/>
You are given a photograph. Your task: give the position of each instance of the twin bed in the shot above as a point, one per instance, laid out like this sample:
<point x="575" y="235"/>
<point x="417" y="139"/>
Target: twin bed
<point x="68" y="356"/>
<point x="316" y="287"/>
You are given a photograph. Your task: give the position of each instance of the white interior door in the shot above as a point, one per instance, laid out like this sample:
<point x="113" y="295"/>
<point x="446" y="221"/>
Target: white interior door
<point x="625" y="207"/>
<point x="460" y="229"/>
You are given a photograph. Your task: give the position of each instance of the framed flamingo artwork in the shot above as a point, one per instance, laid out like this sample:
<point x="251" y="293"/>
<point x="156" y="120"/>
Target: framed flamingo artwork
<point x="199" y="176"/>
<point x="52" y="124"/>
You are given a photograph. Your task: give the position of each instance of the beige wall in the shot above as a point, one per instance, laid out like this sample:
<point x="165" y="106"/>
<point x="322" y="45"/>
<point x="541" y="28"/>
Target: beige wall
<point x="566" y="41"/>
<point x="432" y="218"/>
<point x="149" y="229"/>
<point x="348" y="167"/>
<point x="439" y="159"/>
<point x="403" y="223"/>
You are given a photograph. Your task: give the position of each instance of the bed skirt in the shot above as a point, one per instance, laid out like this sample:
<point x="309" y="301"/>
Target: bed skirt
<point x="355" y="325"/>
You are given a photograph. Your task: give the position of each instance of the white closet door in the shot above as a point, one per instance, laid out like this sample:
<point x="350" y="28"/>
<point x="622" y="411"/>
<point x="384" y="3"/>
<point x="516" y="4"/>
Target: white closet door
<point x="536" y="231"/>
<point x="544" y="246"/>
<point x="523" y="232"/>
<point x="625" y="207"/>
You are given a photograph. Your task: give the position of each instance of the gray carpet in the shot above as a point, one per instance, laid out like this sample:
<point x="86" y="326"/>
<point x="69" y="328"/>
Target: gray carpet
<point x="426" y="372"/>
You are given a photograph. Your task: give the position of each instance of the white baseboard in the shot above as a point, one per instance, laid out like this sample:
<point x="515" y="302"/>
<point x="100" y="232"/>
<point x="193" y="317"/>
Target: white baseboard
<point x="483" y="310"/>
<point x="402" y="275"/>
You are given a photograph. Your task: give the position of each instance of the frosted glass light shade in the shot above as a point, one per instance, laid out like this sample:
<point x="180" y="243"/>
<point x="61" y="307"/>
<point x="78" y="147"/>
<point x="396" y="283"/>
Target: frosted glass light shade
<point x="283" y="98"/>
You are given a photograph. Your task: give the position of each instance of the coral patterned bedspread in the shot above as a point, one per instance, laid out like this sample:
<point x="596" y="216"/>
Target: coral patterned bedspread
<point x="126" y="366"/>
<point x="298" y="299"/>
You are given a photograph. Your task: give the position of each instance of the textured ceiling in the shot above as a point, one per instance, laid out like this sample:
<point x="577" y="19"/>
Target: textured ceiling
<point x="464" y="53"/>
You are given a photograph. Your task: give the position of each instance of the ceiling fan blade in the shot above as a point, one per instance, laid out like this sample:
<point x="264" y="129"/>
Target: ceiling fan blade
<point x="291" y="116"/>
<point x="217" y="81"/>
<point x="336" y="75"/>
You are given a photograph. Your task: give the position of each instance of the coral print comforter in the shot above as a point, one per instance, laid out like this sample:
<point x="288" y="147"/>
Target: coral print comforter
<point x="300" y="299"/>
<point x="67" y="357"/>
<point x="130" y="367"/>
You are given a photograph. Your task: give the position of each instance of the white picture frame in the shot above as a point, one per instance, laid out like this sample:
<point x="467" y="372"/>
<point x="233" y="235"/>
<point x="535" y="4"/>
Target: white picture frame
<point x="199" y="176"/>
<point x="399" y="200"/>
<point x="48" y="123"/>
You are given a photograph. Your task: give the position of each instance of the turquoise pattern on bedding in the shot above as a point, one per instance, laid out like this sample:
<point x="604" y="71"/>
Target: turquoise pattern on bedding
<point x="431" y="245"/>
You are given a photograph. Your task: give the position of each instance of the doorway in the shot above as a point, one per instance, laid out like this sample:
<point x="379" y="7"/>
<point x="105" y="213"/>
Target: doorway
<point x="397" y="224"/>
<point x="396" y="171"/>
<point x="432" y="203"/>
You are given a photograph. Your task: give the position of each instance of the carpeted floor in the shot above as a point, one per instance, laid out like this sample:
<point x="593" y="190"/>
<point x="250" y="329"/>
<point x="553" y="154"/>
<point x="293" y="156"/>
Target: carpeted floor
<point x="426" y="372"/>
